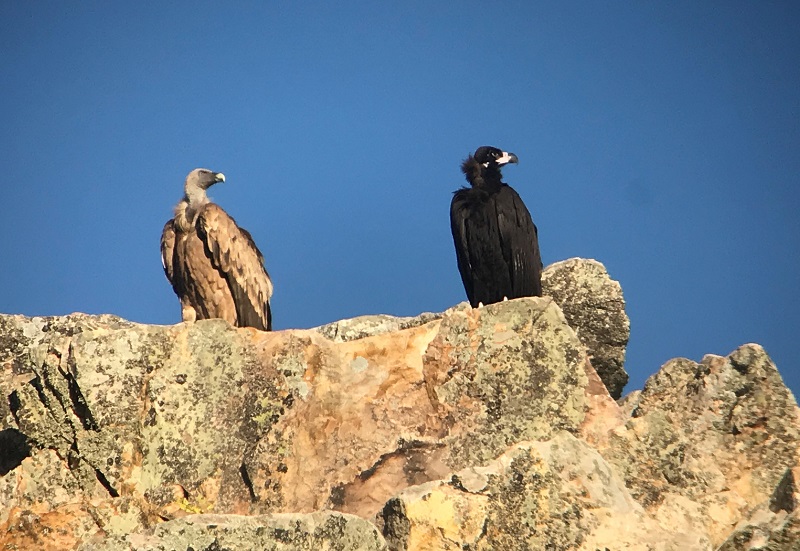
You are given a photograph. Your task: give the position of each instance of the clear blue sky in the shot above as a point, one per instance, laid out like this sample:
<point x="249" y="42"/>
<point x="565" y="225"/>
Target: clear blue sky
<point x="661" y="138"/>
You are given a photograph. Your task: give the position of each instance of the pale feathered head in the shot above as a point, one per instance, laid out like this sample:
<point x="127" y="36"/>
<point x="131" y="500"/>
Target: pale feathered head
<point x="202" y="178"/>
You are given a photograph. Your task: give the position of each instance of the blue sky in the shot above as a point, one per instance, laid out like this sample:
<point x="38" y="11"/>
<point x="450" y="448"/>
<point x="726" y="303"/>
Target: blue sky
<point x="661" y="138"/>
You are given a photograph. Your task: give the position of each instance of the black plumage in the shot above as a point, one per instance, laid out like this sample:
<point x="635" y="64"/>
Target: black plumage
<point x="497" y="245"/>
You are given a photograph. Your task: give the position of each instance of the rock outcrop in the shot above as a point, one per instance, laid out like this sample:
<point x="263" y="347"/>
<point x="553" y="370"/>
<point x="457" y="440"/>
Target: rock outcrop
<point x="593" y="305"/>
<point x="709" y="443"/>
<point x="278" y="532"/>
<point x="553" y="494"/>
<point x="470" y="429"/>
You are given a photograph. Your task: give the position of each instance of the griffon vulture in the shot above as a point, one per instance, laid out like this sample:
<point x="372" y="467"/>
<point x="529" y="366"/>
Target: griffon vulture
<point x="213" y="265"/>
<point x="497" y="245"/>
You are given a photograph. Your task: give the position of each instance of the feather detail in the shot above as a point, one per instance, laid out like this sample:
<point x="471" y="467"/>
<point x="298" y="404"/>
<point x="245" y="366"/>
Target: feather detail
<point x="214" y="266"/>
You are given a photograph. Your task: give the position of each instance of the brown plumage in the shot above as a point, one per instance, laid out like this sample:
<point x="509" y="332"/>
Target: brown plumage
<point x="214" y="265"/>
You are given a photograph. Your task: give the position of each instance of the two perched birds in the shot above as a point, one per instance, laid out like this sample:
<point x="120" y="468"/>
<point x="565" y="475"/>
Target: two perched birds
<point x="217" y="271"/>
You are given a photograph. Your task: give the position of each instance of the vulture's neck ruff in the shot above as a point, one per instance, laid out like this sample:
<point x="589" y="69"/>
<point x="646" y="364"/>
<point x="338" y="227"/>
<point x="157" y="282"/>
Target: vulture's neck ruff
<point x="486" y="177"/>
<point x="186" y="210"/>
<point x="194" y="196"/>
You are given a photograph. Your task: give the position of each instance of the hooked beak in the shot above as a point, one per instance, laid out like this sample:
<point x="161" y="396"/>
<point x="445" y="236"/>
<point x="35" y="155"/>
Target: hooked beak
<point x="219" y="177"/>
<point x="506" y="158"/>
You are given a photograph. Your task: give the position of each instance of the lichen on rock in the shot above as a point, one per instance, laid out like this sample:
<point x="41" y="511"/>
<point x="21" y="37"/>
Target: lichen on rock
<point x="593" y="305"/>
<point x="487" y="428"/>
<point x="279" y="532"/>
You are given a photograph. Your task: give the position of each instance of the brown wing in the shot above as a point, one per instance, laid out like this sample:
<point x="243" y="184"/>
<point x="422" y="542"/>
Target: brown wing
<point x="179" y="271"/>
<point x="207" y="293"/>
<point x="234" y="253"/>
<point x="168" y="255"/>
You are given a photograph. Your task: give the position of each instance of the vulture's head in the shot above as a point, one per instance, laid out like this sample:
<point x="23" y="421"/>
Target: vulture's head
<point x="202" y="178"/>
<point x="488" y="155"/>
<point x="483" y="166"/>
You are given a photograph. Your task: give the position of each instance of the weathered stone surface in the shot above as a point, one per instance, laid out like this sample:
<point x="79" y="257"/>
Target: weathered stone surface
<point x="629" y="402"/>
<point x="370" y="326"/>
<point x="722" y="434"/>
<point x="472" y="429"/>
<point x="603" y="413"/>
<point x="202" y="417"/>
<point x="765" y="531"/>
<point x="20" y="337"/>
<point x="558" y="494"/>
<point x="279" y="532"/>
<point x="774" y="525"/>
<point x="40" y="484"/>
<point x="65" y="527"/>
<point x="504" y="352"/>
<point x="593" y="305"/>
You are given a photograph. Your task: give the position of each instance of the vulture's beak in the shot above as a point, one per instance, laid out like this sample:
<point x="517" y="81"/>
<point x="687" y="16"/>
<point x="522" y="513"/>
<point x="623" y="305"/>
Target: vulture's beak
<point x="506" y="158"/>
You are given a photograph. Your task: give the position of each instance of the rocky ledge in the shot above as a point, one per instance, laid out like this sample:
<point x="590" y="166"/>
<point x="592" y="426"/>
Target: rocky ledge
<point x="491" y="428"/>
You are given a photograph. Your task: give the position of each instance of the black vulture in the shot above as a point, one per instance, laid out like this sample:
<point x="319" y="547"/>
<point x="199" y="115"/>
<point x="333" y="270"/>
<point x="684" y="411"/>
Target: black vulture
<point x="497" y="244"/>
<point x="214" y="265"/>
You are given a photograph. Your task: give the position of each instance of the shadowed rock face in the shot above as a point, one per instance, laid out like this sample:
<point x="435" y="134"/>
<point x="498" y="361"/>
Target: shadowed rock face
<point x="480" y="429"/>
